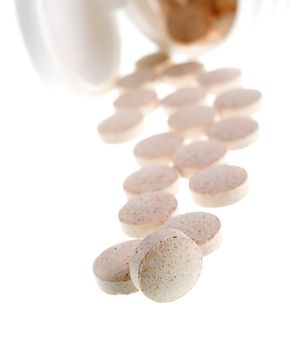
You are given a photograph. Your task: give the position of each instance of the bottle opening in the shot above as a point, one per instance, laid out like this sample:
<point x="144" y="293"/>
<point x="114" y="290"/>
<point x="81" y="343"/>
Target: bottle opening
<point x="197" y="21"/>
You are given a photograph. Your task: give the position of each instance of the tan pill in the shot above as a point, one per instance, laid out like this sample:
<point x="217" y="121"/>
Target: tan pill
<point x="203" y="228"/>
<point x="236" y="132"/>
<point x="184" y="97"/>
<point x="144" y="100"/>
<point x="121" y="127"/>
<point x="183" y="73"/>
<point x="220" y="80"/>
<point x="137" y="79"/>
<point x="192" y="122"/>
<point x="219" y="185"/>
<point x="156" y="61"/>
<point x="188" y="23"/>
<point x="238" y="102"/>
<point x="226" y="5"/>
<point x="111" y="268"/>
<point x="145" y="213"/>
<point x="166" y="265"/>
<point x="152" y="178"/>
<point x="198" y="155"/>
<point x="157" y="149"/>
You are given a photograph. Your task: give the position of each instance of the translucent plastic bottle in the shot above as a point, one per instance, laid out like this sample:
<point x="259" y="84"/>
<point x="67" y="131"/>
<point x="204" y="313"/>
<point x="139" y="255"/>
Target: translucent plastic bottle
<point x="78" y="40"/>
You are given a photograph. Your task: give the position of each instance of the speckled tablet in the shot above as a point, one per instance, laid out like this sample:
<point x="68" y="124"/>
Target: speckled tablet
<point x="183" y="73"/>
<point x="192" y="122"/>
<point x="157" y="149"/>
<point x="155" y="61"/>
<point x="219" y="185"/>
<point x="198" y="155"/>
<point x="137" y="79"/>
<point x="238" y="102"/>
<point x="220" y="80"/>
<point x="121" y="127"/>
<point x="184" y="97"/>
<point x="203" y="228"/>
<point x="166" y="265"/>
<point x="145" y="213"/>
<point x="237" y="132"/>
<point x="111" y="268"/>
<point x="144" y="100"/>
<point x="152" y="178"/>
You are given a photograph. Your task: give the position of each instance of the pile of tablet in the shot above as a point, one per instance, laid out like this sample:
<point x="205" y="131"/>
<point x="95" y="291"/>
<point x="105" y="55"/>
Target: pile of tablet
<point x="164" y="259"/>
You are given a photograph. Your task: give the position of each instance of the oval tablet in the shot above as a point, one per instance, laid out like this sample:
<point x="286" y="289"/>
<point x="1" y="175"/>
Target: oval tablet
<point x="183" y="73"/>
<point x="157" y="149"/>
<point x="192" y="122"/>
<point x="143" y="100"/>
<point x="202" y="228"/>
<point x="238" y="102"/>
<point x="166" y="265"/>
<point x="145" y="213"/>
<point x="111" y="268"/>
<point x="155" y="61"/>
<point x="236" y="132"/>
<point x="198" y="155"/>
<point x="120" y="127"/>
<point x="137" y="79"/>
<point x="184" y="97"/>
<point x="219" y="185"/>
<point x="220" y="80"/>
<point x="152" y="178"/>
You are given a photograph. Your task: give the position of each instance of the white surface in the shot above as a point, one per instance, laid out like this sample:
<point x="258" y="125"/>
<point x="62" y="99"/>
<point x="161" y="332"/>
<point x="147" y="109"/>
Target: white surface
<point x="61" y="189"/>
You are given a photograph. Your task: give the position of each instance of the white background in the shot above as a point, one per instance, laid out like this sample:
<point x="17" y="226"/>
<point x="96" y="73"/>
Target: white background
<point x="60" y="192"/>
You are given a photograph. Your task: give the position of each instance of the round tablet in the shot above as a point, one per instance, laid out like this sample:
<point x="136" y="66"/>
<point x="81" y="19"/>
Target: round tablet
<point x="157" y="149"/>
<point x="219" y="185"/>
<point x="145" y="213"/>
<point x="111" y="268"/>
<point x="155" y="61"/>
<point x="152" y="178"/>
<point x="121" y="127"/>
<point x="183" y="73"/>
<point x="202" y="228"/>
<point x="198" y="155"/>
<point x="141" y="99"/>
<point x="137" y="79"/>
<point x="166" y="265"/>
<point x="220" y="80"/>
<point x="236" y="132"/>
<point x="238" y="102"/>
<point x="185" y="97"/>
<point x="192" y="122"/>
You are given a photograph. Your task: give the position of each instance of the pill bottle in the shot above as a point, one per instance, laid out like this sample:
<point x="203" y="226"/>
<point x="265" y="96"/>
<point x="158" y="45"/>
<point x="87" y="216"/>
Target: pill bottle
<point x="78" y="41"/>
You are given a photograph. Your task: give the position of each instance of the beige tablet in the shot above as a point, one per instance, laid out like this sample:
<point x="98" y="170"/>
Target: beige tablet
<point x="166" y="265"/>
<point x="152" y="178"/>
<point x="219" y="185"/>
<point x="238" y="102"/>
<point x="121" y="127"/>
<point x="111" y="268"/>
<point x="157" y="149"/>
<point x="203" y="228"/>
<point x="237" y="132"/>
<point x="189" y="159"/>
<point x="192" y="122"/>
<point x="145" y="213"/>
